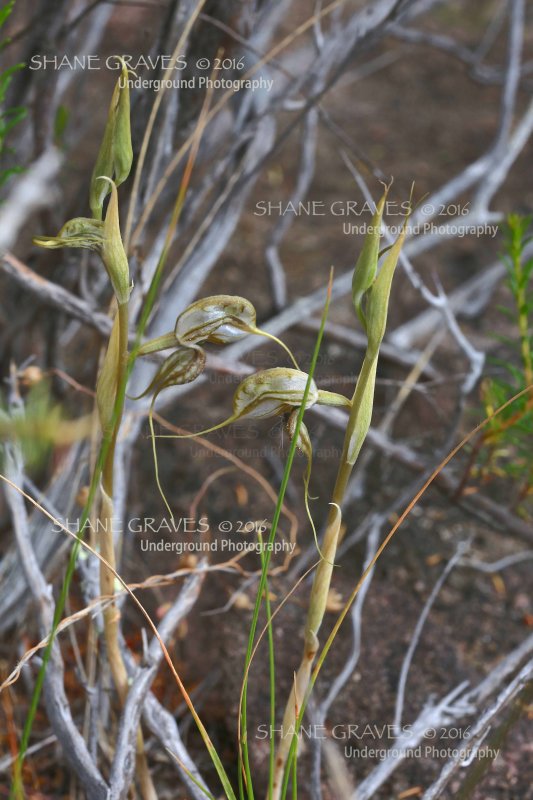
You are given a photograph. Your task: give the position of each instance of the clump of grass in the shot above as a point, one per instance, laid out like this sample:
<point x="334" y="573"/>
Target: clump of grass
<point x="11" y="116"/>
<point x="503" y="452"/>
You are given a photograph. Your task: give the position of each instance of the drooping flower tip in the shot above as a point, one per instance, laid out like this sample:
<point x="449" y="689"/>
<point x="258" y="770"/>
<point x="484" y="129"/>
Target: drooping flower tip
<point x="81" y="232"/>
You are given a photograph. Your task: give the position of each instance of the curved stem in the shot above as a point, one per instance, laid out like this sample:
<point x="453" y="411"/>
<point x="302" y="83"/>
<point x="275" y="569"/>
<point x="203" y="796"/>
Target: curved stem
<point x="259" y="332"/>
<point x="111" y="613"/>
<point x="156" y="461"/>
<point x="322" y="581"/>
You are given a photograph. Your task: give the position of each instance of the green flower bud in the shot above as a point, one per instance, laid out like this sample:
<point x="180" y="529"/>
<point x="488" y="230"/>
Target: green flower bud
<point x="115" y="156"/>
<point x="367" y="263"/>
<point x="379" y="294"/>
<point x="184" y="365"/>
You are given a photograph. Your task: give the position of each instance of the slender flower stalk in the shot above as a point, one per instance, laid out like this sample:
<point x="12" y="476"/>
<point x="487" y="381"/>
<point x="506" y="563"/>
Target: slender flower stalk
<point x="376" y="292"/>
<point x="117" y="359"/>
<point x="112" y="167"/>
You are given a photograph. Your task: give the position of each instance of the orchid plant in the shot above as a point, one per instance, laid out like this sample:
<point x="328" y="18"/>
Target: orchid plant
<point x="282" y="391"/>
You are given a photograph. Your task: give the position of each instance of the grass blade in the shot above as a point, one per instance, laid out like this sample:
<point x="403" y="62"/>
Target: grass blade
<point x="244" y="765"/>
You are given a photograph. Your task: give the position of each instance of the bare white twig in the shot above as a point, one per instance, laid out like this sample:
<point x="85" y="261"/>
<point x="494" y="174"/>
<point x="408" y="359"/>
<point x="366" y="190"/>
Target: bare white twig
<point x="438" y="301"/>
<point x="467" y="300"/>
<point x="32" y="191"/>
<point x="492" y="513"/>
<point x="471" y="745"/>
<point x="124" y="760"/>
<point x="8" y="761"/>
<point x="497" y="566"/>
<point x="58" y="708"/>
<point x="461" y="549"/>
<point x="54" y="295"/>
<point x="303" y="182"/>
<point x="432" y="716"/>
<point x="457" y="705"/>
